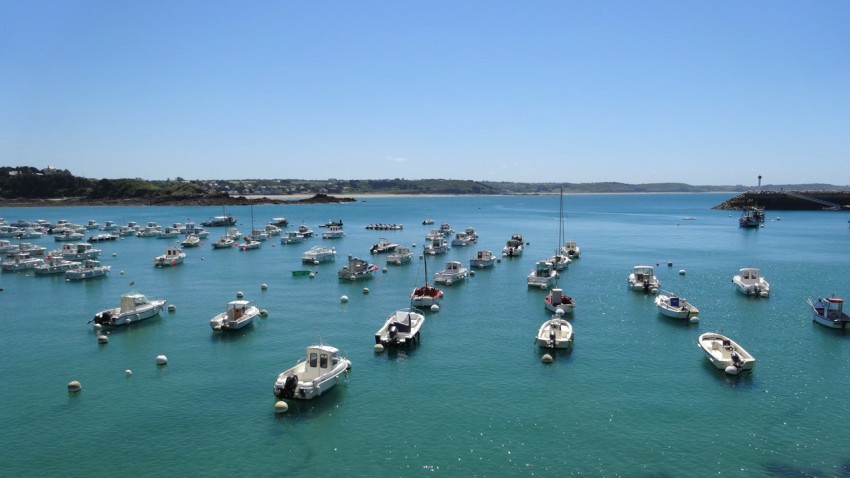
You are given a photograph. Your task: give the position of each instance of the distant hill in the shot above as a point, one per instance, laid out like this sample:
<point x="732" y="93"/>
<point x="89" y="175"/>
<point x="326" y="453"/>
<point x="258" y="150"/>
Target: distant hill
<point x="26" y="184"/>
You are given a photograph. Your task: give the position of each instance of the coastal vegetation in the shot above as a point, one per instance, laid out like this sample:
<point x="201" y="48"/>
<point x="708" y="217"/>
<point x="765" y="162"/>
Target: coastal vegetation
<point x="27" y="185"/>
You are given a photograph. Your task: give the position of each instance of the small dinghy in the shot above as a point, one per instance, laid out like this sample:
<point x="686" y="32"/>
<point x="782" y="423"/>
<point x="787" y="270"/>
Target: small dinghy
<point x="725" y="353"/>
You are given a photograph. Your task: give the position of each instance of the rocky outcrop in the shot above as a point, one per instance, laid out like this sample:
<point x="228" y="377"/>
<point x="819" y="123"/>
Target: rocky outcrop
<point x="788" y="200"/>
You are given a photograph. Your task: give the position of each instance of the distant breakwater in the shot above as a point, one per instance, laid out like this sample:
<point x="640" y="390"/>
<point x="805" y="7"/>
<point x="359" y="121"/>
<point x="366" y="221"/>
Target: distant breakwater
<point x="790" y="200"/>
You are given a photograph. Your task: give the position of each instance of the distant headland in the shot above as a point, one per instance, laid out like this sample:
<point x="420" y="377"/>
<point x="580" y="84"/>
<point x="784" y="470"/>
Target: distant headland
<point x="30" y="186"/>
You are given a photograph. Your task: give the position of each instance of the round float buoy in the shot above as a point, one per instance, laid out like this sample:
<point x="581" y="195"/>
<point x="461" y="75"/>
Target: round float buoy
<point x="365" y="290"/>
<point x="379" y="348"/>
<point x="315" y="262"/>
<point x="114" y="254"/>
<point x="546" y="358"/>
<point x="239" y="294"/>
<point x="670" y="264"/>
<point x="128" y="320"/>
<point x="544" y="286"/>
<point x="280" y="406"/>
<point x="217" y="327"/>
<point x="732" y="370"/>
<point x="681" y="272"/>
<point x="128" y="372"/>
<point x="435" y="308"/>
<point x="472" y="273"/>
<point x="448" y="282"/>
<point x="122" y="273"/>
<point x="172" y="307"/>
<point x="498" y="261"/>
<point x="694" y="320"/>
<point x="654" y="290"/>
<point x="413" y="245"/>
<point x="559" y="312"/>
<point x="264" y="286"/>
<point x="312" y="275"/>
<point x="264" y="313"/>
<point x="343" y="298"/>
<point x="97" y="326"/>
<point x="102" y="339"/>
<point x="161" y="360"/>
<point x="74" y="386"/>
<point x="384" y="270"/>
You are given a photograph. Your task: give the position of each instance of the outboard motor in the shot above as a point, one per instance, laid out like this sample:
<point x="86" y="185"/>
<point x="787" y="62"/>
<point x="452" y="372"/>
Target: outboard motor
<point x="552" y="338"/>
<point x="103" y="318"/>
<point x="393" y="333"/>
<point x="288" y="389"/>
<point x="736" y="359"/>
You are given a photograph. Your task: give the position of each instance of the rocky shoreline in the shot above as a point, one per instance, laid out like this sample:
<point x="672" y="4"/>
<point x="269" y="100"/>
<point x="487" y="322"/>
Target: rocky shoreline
<point x="791" y="200"/>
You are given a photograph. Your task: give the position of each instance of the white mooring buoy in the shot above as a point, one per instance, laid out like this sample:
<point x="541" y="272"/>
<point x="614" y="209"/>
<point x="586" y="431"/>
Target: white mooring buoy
<point x="128" y="372"/>
<point x="172" y="307"/>
<point x="239" y="294"/>
<point x="280" y="406"/>
<point x="161" y="359"/>
<point x="264" y="313"/>
<point x="435" y="308"/>
<point x="343" y="298"/>
<point x="264" y="286"/>
<point x="102" y="339"/>
<point x="74" y="386"/>
<point x="379" y="348"/>
<point x="546" y="358"/>
<point x="365" y="290"/>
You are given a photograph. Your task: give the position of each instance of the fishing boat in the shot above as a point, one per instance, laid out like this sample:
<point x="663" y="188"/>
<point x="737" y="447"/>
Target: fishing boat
<point x="555" y="333"/>
<point x="750" y="218"/>
<point x="313" y="375"/>
<point x="89" y="269"/>
<point x="436" y="245"/>
<point x="225" y="220"/>
<point x="249" y="243"/>
<point x="483" y="259"/>
<point x="725" y="353"/>
<point x="462" y="239"/>
<point x="292" y="237"/>
<point x="333" y="232"/>
<point x="68" y="236"/>
<point x="513" y="247"/>
<point x="401" y="328"/>
<point x="55" y="264"/>
<point x="77" y="251"/>
<point x="172" y="257"/>
<point x="357" y="269"/>
<point x="643" y="279"/>
<point x="427" y="221"/>
<point x="453" y="272"/>
<point x="543" y="276"/>
<point x="571" y="249"/>
<point x="318" y="255"/>
<point x="134" y="307"/>
<point x="671" y="305"/>
<point x="749" y="281"/>
<point x="305" y="231"/>
<point x="279" y="221"/>
<point x="383" y="245"/>
<point x="238" y="314"/>
<point x="556" y="300"/>
<point x="332" y="223"/>
<point x="401" y="255"/>
<point x="830" y="312"/>
<point x="20" y="261"/>
<point x="425" y="296"/>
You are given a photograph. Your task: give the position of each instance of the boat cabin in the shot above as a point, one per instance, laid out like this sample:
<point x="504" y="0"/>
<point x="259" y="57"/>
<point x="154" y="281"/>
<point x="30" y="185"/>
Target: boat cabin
<point x="643" y="273"/>
<point x="129" y="302"/>
<point x="320" y="360"/>
<point x="236" y="309"/>
<point x="750" y="274"/>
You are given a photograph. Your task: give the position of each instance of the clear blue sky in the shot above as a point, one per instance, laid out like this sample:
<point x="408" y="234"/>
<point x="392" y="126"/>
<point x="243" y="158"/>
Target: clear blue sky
<point x="701" y="92"/>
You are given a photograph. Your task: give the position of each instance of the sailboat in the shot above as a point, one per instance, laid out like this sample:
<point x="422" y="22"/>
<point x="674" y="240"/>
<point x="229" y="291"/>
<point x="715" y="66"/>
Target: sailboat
<point x="556" y="301"/>
<point x="560" y="260"/>
<point x="425" y="296"/>
<point x="253" y="240"/>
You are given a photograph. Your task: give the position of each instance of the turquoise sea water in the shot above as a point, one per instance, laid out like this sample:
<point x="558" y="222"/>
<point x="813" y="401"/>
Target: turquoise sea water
<point x="635" y="396"/>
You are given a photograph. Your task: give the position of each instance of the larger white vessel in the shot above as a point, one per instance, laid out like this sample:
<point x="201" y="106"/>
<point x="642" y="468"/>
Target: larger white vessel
<point x="313" y="375"/>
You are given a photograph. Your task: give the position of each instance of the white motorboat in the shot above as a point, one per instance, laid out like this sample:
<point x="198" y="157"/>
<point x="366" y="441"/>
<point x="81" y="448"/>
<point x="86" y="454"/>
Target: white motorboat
<point x="555" y="333"/>
<point x="830" y="312"/>
<point x="446" y="230"/>
<point x="172" y="257"/>
<point x="427" y="221"/>
<point x="250" y="243"/>
<point x="401" y="255"/>
<point x="454" y="271"/>
<point x="676" y="307"/>
<point x="220" y="221"/>
<point x="750" y="282"/>
<point x="313" y="375"/>
<point x="513" y="248"/>
<point x="89" y="269"/>
<point x="55" y="264"/>
<point x="305" y="231"/>
<point x="133" y="307"/>
<point x="279" y="221"/>
<point x="333" y="232"/>
<point x="168" y="233"/>
<point x="92" y="224"/>
<point x="191" y="241"/>
<point x="543" y="276"/>
<point x="436" y="245"/>
<point x="318" y="255"/>
<point x="238" y="314"/>
<point x="357" y="269"/>
<point x="103" y="237"/>
<point x="556" y="300"/>
<point x="471" y="233"/>
<point x="20" y="261"/>
<point x="725" y="353"/>
<point x="383" y="245"/>
<point x="292" y="237"/>
<point x="109" y="226"/>
<point x="223" y="242"/>
<point x="462" y="239"/>
<point x="643" y="279"/>
<point x="482" y="259"/>
<point x="571" y="249"/>
<point x="68" y="236"/>
<point x="78" y="251"/>
<point x="401" y="328"/>
<point x="425" y="296"/>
